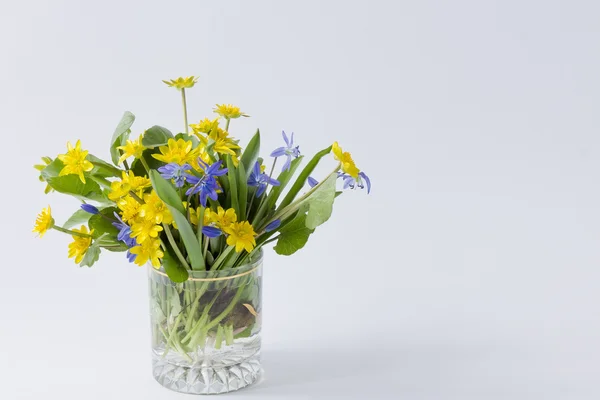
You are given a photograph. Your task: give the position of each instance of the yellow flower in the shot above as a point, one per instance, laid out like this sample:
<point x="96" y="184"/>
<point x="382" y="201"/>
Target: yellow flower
<point x="80" y="244"/>
<point x="241" y="235"/>
<point x="229" y="111"/>
<point x="205" y="126"/>
<point x="155" y="210"/>
<point x="348" y="165"/>
<point x="43" y="222"/>
<point x="178" y="151"/>
<point x="143" y="228"/>
<point x="182" y="82"/>
<point x="221" y="218"/>
<point x="148" y="251"/>
<point x="132" y="148"/>
<point x="40" y="167"/>
<point x="75" y="161"/>
<point x="128" y="182"/>
<point x="130" y="208"/>
<point x="224" y="144"/>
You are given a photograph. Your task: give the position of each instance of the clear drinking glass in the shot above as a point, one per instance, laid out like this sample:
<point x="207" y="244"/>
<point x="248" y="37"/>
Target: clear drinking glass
<point x="206" y="330"/>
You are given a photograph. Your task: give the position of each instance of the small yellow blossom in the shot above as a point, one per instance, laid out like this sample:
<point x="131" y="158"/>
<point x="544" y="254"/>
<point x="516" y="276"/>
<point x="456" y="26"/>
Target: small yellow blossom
<point x="75" y="161"/>
<point x="205" y="126"/>
<point x="221" y="218"/>
<point x="155" y="210"/>
<point x="80" y="244"/>
<point x="132" y="148"/>
<point x="224" y="144"/>
<point x="40" y="167"/>
<point x="130" y="208"/>
<point x="241" y="235"/>
<point x="44" y="221"/>
<point x="148" y="251"/>
<point x="178" y="151"/>
<point x="127" y="183"/>
<point x="182" y="82"/>
<point x="229" y="111"/>
<point x="143" y="228"/>
<point x="348" y="165"/>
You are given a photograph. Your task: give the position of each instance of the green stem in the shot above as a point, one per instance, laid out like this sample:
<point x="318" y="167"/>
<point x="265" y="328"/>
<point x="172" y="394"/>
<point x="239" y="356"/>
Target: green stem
<point x="185" y="118"/>
<point x="136" y="197"/>
<point x="227" y="310"/>
<point x="227" y="125"/>
<point x="145" y="164"/>
<point x="221" y="257"/>
<point x="175" y="247"/>
<point x="70" y="232"/>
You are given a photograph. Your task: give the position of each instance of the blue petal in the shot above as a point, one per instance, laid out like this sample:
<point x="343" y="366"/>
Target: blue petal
<point x="273" y="225"/>
<point x="89" y="208"/>
<point x="285" y="138"/>
<point x="211" y="231"/>
<point x="279" y="152"/>
<point x="287" y="164"/>
<point x="312" y="182"/>
<point x="366" y="178"/>
<point x="273" y="182"/>
<point x="261" y="190"/>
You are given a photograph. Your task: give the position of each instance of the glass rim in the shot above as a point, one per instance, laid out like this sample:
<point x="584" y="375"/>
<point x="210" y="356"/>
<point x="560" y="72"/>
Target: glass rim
<point x="222" y="274"/>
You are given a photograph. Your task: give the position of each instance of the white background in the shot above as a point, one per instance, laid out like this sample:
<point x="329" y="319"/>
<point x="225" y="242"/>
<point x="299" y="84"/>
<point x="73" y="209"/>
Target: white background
<point x="470" y="272"/>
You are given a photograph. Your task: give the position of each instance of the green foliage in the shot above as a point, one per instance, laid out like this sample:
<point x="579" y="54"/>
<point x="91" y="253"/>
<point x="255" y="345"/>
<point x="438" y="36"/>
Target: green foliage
<point x="320" y="203"/>
<point x="233" y="187"/>
<point x="71" y="184"/>
<point x="293" y="236"/>
<point x="301" y="180"/>
<point x="91" y="255"/>
<point x="242" y="191"/>
<point x="167" y="193"/>
<point x="102" y="168"/>
<point x="251" y="153"/>
<point x="120" y="136"/>
<point x="101" y="223"/>
<point x="176" y="272"/>
<point x="79" y="217"/>
<point x="156" y="136"/>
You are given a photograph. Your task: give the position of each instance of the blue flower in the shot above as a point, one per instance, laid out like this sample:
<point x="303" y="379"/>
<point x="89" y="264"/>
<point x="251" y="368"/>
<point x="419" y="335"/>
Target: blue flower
<point x="207" y="185"/>
<point x="89" y="208"/>
<point x="273" y="225"/>
<point x="176" y="172"/>
<point x="211" y="231"/>
<point x="124" y="235"/>
<point x="288" y="151"/>
<point x="351" y="182"/>
<point x="260" y="180"/>
<point x="312" y="182"/>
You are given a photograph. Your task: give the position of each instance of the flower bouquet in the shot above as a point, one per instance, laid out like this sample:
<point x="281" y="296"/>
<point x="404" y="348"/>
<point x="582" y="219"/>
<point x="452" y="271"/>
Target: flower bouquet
<point x="196" y="208"/>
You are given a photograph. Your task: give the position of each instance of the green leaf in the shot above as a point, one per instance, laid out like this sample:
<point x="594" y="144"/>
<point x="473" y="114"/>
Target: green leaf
<point x="176" y="272"/>
<point x="166" y="191"/>
<point x="79" y="217"/>
<point x="301" y="181"/>
<point x="251" y="153"/>
<point x="71" y="184"/>
<point x="293" y="236"/>
<point x="120" y="136"/>
<point x="233" y="193"/>
<point x="102" y="168"/>
<point x="320" y="203"/>
<point x="242" y="191"/>
<point x="188" y="137"/>
<point x="101" y="225"/>
<point x="138" y="168"/>
<point x="91" y="256"/>
<point x="156" y="136"/>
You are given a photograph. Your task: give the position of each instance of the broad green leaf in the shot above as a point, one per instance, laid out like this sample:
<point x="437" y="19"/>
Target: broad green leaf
<point x="251" y="153"/>
<point x="176" y="272"/>
<point x="166" y="191"/>
<point x="156" y="136"/>
<point x="102" y="168"/>
<point x="120" y="136"/>
<point x="91" y="256"/>
<point x="188" y="137"/>
<point x="293" y="236"/>
<point x="79" y="217"/>
<point x="301" y="181"/>
<point x="320" y="203"/>
<point x="233" y="192"/>
<point x="138" y="168"/>
<point x="101" y="224"/>
<point x="242" y="191"/>
<point x="71" y="184"/>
